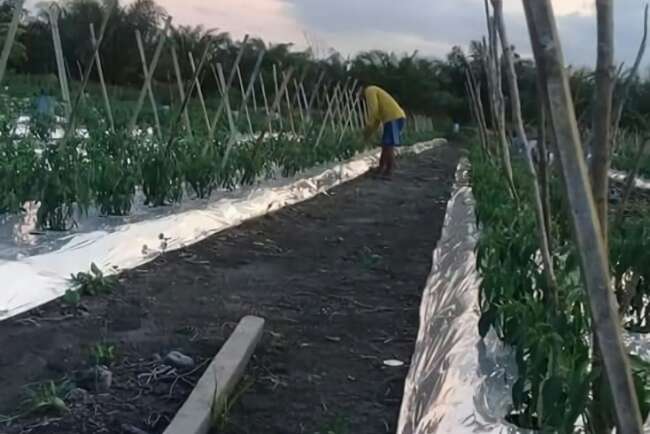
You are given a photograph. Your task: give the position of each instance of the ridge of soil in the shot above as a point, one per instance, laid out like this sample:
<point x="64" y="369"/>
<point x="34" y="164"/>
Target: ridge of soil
<point x="338" y="279"/>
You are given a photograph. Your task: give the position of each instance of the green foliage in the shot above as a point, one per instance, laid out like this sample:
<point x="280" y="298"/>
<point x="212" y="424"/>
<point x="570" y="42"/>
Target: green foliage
<point x="220" y="409"/>
<point x="114" y="172"/>
<point x="72" y="297"/>
<point x="200" y="164"/>
<point x="93" y="282"/>
<point x="162" y="175"/>
<point x="102" y="354"/>
<point x="47" y="397"/>
<point x="63" y="182"/>
<point x="551" y="345"/>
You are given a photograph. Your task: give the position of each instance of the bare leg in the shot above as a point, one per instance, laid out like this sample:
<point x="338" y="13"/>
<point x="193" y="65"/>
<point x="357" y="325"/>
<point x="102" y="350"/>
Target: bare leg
<point x="382" y="161"/>
<point x="390" y="161"/>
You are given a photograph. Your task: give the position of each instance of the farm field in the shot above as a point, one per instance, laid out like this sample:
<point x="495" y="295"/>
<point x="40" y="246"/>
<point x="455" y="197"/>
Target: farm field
<point x="204" y="234"/>
<point x="337" y="279"/>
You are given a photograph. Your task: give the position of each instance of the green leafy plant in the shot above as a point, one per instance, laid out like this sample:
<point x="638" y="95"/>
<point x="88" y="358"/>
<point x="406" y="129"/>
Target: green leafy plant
<point x="72" y="297"/>
<point x="102" y="354"/>
<point x="220" y="410"/>
<point x="162" y="177"/>
<point x="93" y="282"/>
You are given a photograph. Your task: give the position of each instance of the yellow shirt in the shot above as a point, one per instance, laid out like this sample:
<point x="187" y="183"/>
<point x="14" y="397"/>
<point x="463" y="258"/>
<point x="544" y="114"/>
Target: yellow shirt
<point x="382" y="108"/>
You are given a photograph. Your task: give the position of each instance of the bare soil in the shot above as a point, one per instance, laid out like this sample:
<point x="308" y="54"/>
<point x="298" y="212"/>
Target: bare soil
<point x="337" y="278"/>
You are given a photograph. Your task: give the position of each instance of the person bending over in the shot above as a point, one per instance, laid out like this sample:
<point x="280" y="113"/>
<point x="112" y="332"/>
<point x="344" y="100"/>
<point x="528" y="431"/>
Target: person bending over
<point x="384" y="111"/>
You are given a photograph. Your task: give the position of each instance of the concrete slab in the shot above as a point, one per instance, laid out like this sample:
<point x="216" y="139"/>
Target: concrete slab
<point x="222" y="375"/>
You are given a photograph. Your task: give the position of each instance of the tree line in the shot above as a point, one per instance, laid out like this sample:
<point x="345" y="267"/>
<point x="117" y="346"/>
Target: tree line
<point x="430" y="86"/>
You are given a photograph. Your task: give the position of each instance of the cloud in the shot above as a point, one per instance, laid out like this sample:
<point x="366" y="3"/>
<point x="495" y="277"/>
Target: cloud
<point x="434" y="26"/>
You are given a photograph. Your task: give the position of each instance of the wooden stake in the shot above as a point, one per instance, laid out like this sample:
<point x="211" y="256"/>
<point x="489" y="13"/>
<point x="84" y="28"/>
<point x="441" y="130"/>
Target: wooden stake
<point x="152" y="98"/>
<point x="162" y="38"/>
<point x="225" y="87"/>
<point x="58" y="52"/>
<point x="181" y="88"/>
<point x="277" y="90"/>
<point x="11" y="36"/>
<point x="199" y="92"/>
<point x="587" y="231"/>
<point x="102" y="82"/>
<point x="243" y="105"/>
<point x="266" y="103"/>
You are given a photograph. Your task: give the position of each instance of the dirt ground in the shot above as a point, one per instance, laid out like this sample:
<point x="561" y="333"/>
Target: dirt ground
<point x="337" y="278"/>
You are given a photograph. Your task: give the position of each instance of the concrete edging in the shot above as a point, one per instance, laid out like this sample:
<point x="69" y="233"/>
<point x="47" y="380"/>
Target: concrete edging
<point x="222" y="375"/>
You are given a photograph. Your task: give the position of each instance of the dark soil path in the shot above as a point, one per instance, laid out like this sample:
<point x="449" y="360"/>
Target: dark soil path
<point x="338" y="279"/>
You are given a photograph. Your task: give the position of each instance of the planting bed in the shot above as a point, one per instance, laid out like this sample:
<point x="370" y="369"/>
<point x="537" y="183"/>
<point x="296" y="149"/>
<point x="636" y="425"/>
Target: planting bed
<point x="338" y="280"/>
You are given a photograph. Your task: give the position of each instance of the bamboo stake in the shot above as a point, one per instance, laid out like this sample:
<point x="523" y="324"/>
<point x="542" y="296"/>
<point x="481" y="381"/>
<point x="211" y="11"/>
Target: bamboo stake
<point x="289" y="108"/>
<point x="314" y="93"/>
<point x="199" y="92"/>
<point x="251" y="84"/>
<point x="188" y="95"/>
<point x="226" y="87"/>
<point x="102" y="82"/>
<point x="602" y="121"/>
<point x="587" y="231"/>
<point x="181" y="88"/>
<point x="58" y="52"/>
<point x="277" y="89"/>
<point x="330" y="103"/>
<point x="152" y="99"/>
<point x="517" y="118"/>
<point x="162" y="38"/>
<point x="86" y="77"/>
<point x="328" y="115"/>
<point x="11" y="36"/>
<point x="299" y="104"/>
<point x="243" y="105"/>
<point x="266" y="103"/>
<point x="226" y="101"/>
<point x="275" y="105"/>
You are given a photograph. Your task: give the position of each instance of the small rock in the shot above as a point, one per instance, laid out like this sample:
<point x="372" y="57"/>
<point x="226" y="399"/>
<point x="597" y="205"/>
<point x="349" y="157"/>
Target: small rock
<point x="179" y="360"/>
<point x="130" y="429"/>
<point x="98" y="378"/>
<point x="78" y="395"/>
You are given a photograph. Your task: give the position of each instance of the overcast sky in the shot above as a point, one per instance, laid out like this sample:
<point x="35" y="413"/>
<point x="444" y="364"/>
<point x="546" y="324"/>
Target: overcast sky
<point x="430" y="26"/>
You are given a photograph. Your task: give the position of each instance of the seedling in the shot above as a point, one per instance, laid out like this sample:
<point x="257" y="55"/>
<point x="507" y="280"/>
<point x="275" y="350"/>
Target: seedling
<point x="339" y="425"/>
<point x="72" y="297"/>
<point x="93" y="282"/>
<point x="220" y="411"/>
<point x="102" y="354"/>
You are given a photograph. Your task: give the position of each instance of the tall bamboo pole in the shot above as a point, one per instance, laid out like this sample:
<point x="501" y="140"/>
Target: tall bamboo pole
<point x="199" y="92"/>
<point x="102" y="82"/>
<point x="587" y="230"/>
<point x="162" y="38"/>
<point x="11" y="36"/>
<point x="517" y="118"/>
<point x="181" y="88"/>
<point x="152" y="98"/>
<point x="53" y="12"/>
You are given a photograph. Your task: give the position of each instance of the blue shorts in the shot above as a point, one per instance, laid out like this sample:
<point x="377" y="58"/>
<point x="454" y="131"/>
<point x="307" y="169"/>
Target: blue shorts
<point x="392" y="132"/>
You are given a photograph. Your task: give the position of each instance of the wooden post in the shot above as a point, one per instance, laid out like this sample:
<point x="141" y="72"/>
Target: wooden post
<point x="181" y="88"/>
<point x="328" y="115"/>
<point x="11" y="36"/>
<point x="225" y="87"/>
<point x="58" y="52"/>
<point x="162" y="38"/>
<point x="289" y="107"/>
<point x="299" y="103"/>
<point x="517" y="119"/>
<point x="266" y="103"/>
<point x="226" y="101"/>
<point x="314" y="93"/>
<point x="277" y="90"/>
<point x="102" y="82"/>
<point x="199" y="92"/>
<point x="147" y="82"/>
<point x="586" y="228"/>
<point x="251" y="83"/>
<point x="243" y="105"/>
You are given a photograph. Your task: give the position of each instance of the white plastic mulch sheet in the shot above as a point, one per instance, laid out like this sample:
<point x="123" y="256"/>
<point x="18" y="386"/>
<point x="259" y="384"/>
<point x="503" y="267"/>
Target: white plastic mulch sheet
<point x="457" y="383"/>
<point x="621" y="176"/>
<point x="35" y="268"/>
